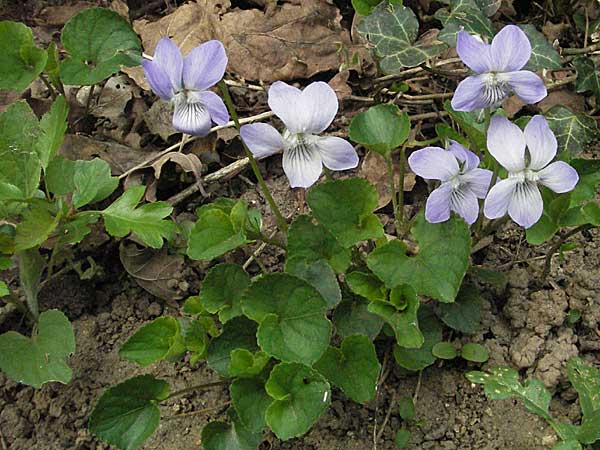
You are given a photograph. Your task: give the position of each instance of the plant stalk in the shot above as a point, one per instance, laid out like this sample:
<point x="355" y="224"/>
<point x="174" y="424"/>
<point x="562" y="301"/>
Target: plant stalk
<point x="400" y="213"/>
<point x="390" y="169"/>
<point x="197" y="387"/>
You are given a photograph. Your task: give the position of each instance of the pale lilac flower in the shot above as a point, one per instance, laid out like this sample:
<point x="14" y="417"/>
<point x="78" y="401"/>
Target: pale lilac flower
<point x="305" y="114"/>
<point x="497" y="68"/>
<point x="519" y="194"/>
<point x="462" y="181"/>
<point x="185" y="82"/>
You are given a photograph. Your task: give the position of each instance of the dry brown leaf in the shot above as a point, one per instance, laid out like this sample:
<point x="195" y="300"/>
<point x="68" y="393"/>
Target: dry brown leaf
<point x="57" y="16"/>
<point x="289" y="41"/>
<point x="113" y="97"/>
<point x="158" y="119"/>
<point x="564" y="97"/>
<point x="188" y="162"/>
<point x="339" y="83"/>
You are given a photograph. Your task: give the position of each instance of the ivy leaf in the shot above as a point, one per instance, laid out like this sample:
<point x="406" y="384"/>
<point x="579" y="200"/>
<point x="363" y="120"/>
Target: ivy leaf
<point x="99" y="41"/>
<point x="228" y="436"/>
<point x="367" y="285"/>
<point x="318" y="274"/>
<point x="213" y="235"/>
<point x="53" y="126"/>
<point x="147" y="221"/>
<point x="574" y="132"/>
<point x="250" y="401"/>
<point x="127" y="414"/>
<point x="20" y="61"/>
<point x="588" y="78"/>
<point x="440" y="266"/>
<point x="353" y="317"/>
<point x="586" y="380"/>
<point x="543" y="55"/>
<point x="41" y="358"/>
<point x="464" y="14"/>
<point x="464" y="314"/>
<point x="381" y="128"/>
<point x="419" y="358"/>
<point x="393" y="29"/>
<point x="291" y="314"/>
<point x="238" y="333"/>
<point x="354" y="367"/>
<point x="314" y="242"/>
<point x="38" y="222"/>
<point x="222" y="289"/>
<point x="301" y="396"/>
<point x="155" y="341"/>
<point x="345" y="207"/>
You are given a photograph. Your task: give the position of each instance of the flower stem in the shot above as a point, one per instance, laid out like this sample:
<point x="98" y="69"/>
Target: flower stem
<point x="400" y="213"/>
<point x="196" y="388"/>
<point x="390" y="169"/>
<point x="255" y="169"/>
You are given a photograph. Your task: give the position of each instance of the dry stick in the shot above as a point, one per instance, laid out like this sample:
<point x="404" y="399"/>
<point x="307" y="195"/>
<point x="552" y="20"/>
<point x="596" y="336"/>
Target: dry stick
<point x="581" y="51"/>
<point x="387" y="416"/>
<point x="414" y="70"/>
<point x="197" y="387"/>
<point x="556" y="247"/>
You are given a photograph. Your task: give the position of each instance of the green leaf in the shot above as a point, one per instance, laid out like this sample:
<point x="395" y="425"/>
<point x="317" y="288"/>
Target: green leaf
<point x="406" y="408"/>
<point x="555" y="206"/>
<point x="225" y="436"/>
<point x="574" y="132"/>
<point x="586" y="380"/>
<point x="195" y="339"/>
<point x="31" y="266"/>
<point x="474" y="352"/>
<point x="73" y="231"/>
<point x="127" y="414"/>
<point x="588" y="77"/>
<point x="403" y="321"/>
<point x="155" y="341"/>
<point x="367" y="285"/>
<point x="238" y="333"/>
<point x="147" y="221"/>
<point x="353" y="317"/>
<point x="440" y="266"/>
<point x="568" y="445"/>
<point x="92" y="182"/>
<point x="250" y="401"/>
<point x="464" y="15"/>
<point x="291" y="314"/>
<point x="20" y="61"/>
<point x="59" y="176"/>
<point x="590" y="428"/>
<point x="354" y="368"/>
<point x="345" y="207"/>
<point x="98" y="41"/>
<point x="4" y="291"/>
<point x="222" y="289"/>
<point x="444" y="350"/>
<point x="543" y="55"/>
<point x="469" y="123"/>
<point x="301" y="396"/>
<point x="319" y="275"/>
<point x="381" y="128"/>
<point x="402" y="438"/>
<point x="589" y="178"/>
<point x="364" y="7"/>
<point x="41" y="358"/>
<point x="245" y="364"/>
<point x="53" y="126"/>
<point x="37" y="223"/>
<point x="213" y="235"/>
<point x="419" y="358"/>
<point x="314" y="242"/>
<point x="393" y="29"/>
<point x="53" y="64"/>
<point x="464" y="314"/>
<point x="20" y="167"/>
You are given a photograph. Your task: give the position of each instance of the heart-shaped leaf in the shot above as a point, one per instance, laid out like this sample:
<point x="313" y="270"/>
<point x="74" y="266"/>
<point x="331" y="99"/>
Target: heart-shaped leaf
<point x="229" y="436"/>
<point x="318" y="274"/>
<point x="20" y="61"/>
<point x="245" y="364"/>
<point x="222" y="289"/>
<point x="250" y="401"/>
<point x="301" y="396"/>
<point x="474" y="352"/>
<point x="354" y="367"/>
<point x="381" y="128"/>
<point x="367" y="285"/>
<point x="214" y="234"/>
<point x="41" y="358"/>
<point x="353" y="317"/>
<point x="464" y="314"/>
<point x="419" y="358"/>
<point x="238" y="333"/>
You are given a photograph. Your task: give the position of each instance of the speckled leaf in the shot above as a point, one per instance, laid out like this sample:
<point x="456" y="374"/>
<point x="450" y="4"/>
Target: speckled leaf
<point x="588" y="77"/>
<point x="574" y="132"/>
<point x="543" y="55"/>
<point x="464" y="14"/>
<point x="586" y="380"/>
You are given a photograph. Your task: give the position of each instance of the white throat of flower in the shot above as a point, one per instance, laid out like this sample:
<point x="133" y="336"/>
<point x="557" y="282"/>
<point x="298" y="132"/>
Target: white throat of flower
<point x="496" y="88"/>
<point x="301" y="145"/>
<point x="525" y="176"/>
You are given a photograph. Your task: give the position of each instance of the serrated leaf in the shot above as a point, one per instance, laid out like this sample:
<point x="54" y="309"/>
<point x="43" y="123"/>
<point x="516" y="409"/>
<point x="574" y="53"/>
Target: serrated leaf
<point x="393" y="29"/>
<point x="419" y="358"/>
<point x="543" y="55"/>
<point x="250" y="401"/>
<point x="353" y="317"/>
<point x="147" y="221"/>
<point x="345" y="207"/>
<point x="586" y="380"/>
<point x="464" y="15"/>
<point x="222" y="289"/>
<point x="92" y="182"/>
<point x="381" y="128"/>
<point x="155" y="341"/>
<point x="238" y="333"/>
<point x="53" y="126"/>
<point x="213" y="235"/>
<point x="464" y="314"/>
<point x="37" y="223"/>
<point x="291" y="317"/>
<point x="354" y="367"/>
<point x="228" y="436"/>
<point x="301" y="396"/>
<point x="574" y="132"/>
<point x="318" y="274"/>
<point x="98" y="41"/>
<point x="440" y="265"/>
<point x="588" y="77"/>
<point x="127" y="414"/>
<point x="20" y="61"/>
<point x="41" y="358"/>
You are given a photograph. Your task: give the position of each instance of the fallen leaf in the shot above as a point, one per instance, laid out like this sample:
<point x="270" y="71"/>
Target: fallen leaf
<point x="564" y="97"/>
<point x="339" y="83"/>
<point x="112" y="100"/>
<point x="57" y="16"/>
<point x="158" y="119"/>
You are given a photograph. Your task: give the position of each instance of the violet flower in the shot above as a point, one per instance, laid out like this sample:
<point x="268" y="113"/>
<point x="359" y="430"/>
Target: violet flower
<point x="185" y="82"/>
<point x="497" y="68"/>
<point x="519" y="194"/>
<point x="462" y="181"/>
<point x="305" y="114"/>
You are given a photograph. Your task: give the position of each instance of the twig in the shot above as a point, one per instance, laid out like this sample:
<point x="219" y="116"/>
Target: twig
<point x="581" y="51"/>
<point x="89" y="100"/>
<point x="197" y="388"/>
<point x="415" y="70"/>
<point x="558" y="244"/>
<point x="195" y="413"/>
<point x="387" y="416"/>
<point x="48" y="86"/>
<point x="559" y="83"/>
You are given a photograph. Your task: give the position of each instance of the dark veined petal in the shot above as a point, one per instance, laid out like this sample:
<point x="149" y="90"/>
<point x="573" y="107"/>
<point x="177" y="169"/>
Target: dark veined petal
<point x="526" y="205"/>
<point x="470" y="94"/>
<point x="478" y="181"/>
<point x="191" y="118"/>
<point x="464" y="202"/>
<point x="302" y="165"/>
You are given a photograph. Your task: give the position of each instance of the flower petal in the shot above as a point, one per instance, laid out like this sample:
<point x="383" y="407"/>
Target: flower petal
<point x="318" y="106"/>
<point x="497" y="201"/>
<point x="191" y="117"/>
<point x="158" y="80"/>
<point x="204" y="66"/>
<point x="262" y="139"/>
<point x="510" y="49"/>
<point x="559" y="176"/>
<point x="302" y="165"/>
<point x="465" y="156"/>
<point x="437" y="208"/>
<point x="541" y="142"/>
<point x="474" y="53"/>
<point x="469" y="94"/>
<point x="337" y="153"/>
<point x="464" y="202"/>
<point x="216" y="107"/>
<point x="526" y="205"/>
<point x="527" y="85"/>
<point x="168" y="57"/>
<point x="433" y="163"/>
<point x="478" y="181"/>
<point x="506" y="143"/>
<point x="284" y="101"/>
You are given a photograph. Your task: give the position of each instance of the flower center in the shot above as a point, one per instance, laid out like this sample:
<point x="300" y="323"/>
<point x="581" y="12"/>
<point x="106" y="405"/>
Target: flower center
<point x="299" y="142"/>
<point x="524" y="176"/>
<point x="496" y="88"/>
